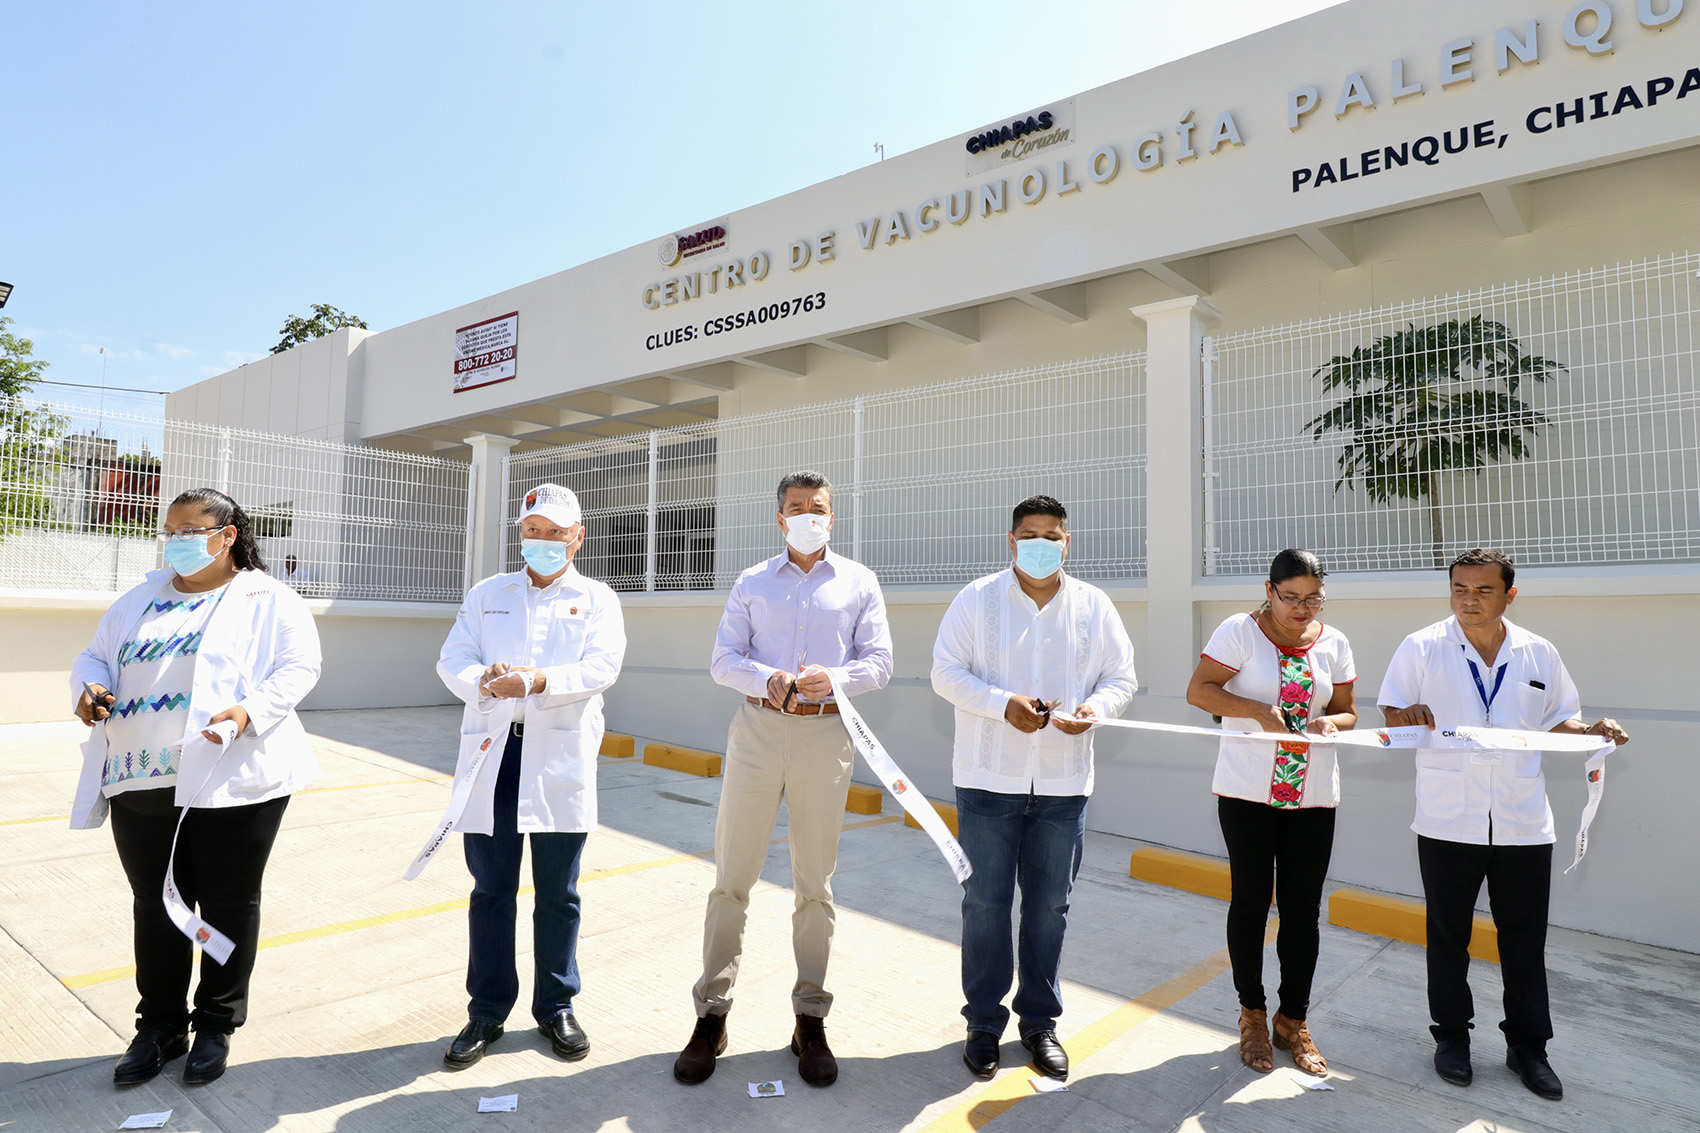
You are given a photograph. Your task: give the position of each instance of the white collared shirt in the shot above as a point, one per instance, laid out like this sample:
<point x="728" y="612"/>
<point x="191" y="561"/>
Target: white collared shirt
<point x="1482" y="798"/>
<point x="995" y="643"/>
<point x="780" y="618"/>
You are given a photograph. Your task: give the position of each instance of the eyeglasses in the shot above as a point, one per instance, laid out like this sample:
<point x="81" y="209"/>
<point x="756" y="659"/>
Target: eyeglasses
<point x="1307" y="603"/>
<point x="167" y="536"/>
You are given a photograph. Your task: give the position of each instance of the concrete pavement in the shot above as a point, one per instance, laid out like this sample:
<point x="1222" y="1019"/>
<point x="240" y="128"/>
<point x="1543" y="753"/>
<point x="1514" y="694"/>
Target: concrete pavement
<point x="359" y="985"/>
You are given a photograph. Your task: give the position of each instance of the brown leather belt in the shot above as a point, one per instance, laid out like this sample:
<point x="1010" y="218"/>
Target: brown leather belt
<point x="799" y="708"/>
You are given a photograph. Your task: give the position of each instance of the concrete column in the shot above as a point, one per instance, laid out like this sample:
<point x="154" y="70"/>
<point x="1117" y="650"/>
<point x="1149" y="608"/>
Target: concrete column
<point x="489" y="502"/>
<point x="1174" y="505"/>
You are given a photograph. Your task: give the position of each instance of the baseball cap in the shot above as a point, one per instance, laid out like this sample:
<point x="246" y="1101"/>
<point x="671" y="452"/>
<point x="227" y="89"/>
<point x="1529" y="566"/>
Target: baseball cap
<point x="556" y="504"/>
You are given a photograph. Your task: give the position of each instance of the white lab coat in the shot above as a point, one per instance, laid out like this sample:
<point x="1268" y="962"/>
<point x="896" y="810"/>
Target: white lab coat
<point x="260" y="651"/>
<point x="580" y="640"/>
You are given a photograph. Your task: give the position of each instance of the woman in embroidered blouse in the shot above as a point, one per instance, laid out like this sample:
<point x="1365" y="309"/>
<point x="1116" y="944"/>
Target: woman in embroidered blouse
<point x="212" y="645"/>
<point x="1277" y="669"/>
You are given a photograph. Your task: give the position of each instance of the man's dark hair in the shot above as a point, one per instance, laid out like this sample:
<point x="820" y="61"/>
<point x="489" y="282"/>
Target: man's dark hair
<point x="806" y="478"/>
<point x="1481" y="556"/>
<point x="1038" y="505"/>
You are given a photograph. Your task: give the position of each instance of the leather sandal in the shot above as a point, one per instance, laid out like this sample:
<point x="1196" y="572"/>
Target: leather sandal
<point x="1293" y="1035"/>
<point x="1254" y="1040"/>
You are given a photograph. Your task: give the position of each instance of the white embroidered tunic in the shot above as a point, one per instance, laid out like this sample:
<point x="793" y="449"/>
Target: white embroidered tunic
<point x="994" y="643"/>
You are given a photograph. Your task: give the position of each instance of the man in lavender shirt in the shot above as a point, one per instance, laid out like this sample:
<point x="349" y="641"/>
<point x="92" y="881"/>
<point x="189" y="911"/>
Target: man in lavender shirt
<point x="788" y="621"/>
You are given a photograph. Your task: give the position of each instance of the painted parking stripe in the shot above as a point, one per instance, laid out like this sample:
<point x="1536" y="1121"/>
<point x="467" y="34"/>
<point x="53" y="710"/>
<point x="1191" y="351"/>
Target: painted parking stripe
<point x="110" y="974"/>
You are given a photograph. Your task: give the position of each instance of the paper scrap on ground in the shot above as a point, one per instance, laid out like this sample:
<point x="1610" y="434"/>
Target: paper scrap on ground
<point x="767" y="1089"/>
<point x="1043" y="1085"/>
<point x="507" y="1103"/>
<point x="146" y="1120"/>
<point x="1310" y="1083"/>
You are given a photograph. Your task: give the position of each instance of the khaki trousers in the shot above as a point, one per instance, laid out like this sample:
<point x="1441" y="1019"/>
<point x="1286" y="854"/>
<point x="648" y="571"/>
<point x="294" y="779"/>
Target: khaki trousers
<point x="806" y="761"/>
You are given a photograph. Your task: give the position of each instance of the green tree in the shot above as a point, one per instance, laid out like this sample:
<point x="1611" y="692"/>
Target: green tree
<point x="326" y="319"/>
<point x="1421" y="403"/>
<point x="18" y="369"/>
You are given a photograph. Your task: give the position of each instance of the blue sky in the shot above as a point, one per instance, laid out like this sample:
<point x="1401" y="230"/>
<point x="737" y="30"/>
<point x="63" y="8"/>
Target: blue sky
<point x="185" y="176"/>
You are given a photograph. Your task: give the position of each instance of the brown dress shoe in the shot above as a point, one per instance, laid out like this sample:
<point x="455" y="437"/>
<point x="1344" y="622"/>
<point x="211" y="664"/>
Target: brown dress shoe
<point x="1293" y="1035"/>
<point x="708" y="1042"/>
<point x="815" y="1064"/>
<point x="1254" y="1041"/>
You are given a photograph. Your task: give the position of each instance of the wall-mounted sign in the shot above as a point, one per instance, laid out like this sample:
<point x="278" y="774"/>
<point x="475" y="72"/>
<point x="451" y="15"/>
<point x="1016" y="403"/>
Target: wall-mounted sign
<point x="1025" y="137"/>
<point x="485" y="352"/>
<point x="683" y="245"/>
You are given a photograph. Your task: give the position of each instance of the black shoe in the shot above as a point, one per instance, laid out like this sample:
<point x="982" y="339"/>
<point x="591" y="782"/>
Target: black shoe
<point x="980" y="1054"/>
<point x="147" y="1055"/>
<point x="696" y="1062"/>
<point x="815" y="1062"/>
<point x="1048" y="1055"/>
<point x="566" y="1036"/>
<point x="1532" y="1067"/>
<point x="206" y="1058"/>
<point x="1452" y="1061"/>
<point x="469" y="1045"/>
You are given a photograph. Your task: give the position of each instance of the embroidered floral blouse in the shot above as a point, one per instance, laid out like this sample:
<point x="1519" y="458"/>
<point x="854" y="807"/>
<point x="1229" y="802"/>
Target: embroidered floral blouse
<point x="1286" y="774"/>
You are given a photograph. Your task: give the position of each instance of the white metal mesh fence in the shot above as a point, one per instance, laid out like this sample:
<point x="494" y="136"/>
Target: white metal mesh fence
<point x="1450" y="436"/>
<point x="81" y="496"/>
<point x="924" y="479"/>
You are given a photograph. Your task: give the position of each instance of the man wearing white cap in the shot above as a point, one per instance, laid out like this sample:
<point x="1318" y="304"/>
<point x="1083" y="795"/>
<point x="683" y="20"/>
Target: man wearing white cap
<point x="552" y="639"/>
<point x="788" y="621"/>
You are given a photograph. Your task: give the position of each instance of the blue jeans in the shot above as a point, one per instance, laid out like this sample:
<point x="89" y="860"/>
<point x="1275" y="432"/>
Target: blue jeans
<point x="1036" y="840"/>
<point x="492" y="980"/>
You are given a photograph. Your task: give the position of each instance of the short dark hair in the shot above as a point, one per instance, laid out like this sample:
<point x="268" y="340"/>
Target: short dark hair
<point x="805" y="478"/>
<point x="1038" y="505"/>
<point x="1295" y="563"/>
<point x="1481" y="556"/>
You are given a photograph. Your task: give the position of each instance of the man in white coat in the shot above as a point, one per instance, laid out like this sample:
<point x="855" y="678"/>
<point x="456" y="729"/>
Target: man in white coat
<point x="1013" y="648"/>
<point x="552" y="640"/>
<point x="1484" y="815"/>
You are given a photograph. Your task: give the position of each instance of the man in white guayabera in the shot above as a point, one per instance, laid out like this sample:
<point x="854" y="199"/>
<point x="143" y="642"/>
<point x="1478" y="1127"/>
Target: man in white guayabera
<point x="1014" y="648"/>
<point x="553" y="640"/>
<point x="788" y="621"/>
<point x="1483" y="815"/>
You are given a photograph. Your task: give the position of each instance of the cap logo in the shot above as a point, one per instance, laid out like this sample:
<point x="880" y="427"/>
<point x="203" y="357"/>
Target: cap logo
<point x="531" y="499"/>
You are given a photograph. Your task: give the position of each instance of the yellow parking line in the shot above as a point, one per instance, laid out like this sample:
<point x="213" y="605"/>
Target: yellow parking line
<point x="1003" y="1094"/>
<point x="44" y="818"/>
<point x="110" y="974"/>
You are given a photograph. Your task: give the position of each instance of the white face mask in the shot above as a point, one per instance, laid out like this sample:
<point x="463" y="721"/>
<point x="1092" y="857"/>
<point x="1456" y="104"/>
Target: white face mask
<point x="806" y="533"/>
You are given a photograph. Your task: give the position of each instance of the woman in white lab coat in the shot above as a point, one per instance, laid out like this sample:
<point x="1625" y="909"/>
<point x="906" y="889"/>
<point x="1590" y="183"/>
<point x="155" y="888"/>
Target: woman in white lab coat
<point x="190" y="687"/>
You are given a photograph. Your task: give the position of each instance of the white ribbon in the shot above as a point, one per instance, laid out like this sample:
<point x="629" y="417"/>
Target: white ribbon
<point x="213" y="942"/>
<point x="501" y="718"/>
<point x="1441" y="736"/>
<point x="911" y="800"/>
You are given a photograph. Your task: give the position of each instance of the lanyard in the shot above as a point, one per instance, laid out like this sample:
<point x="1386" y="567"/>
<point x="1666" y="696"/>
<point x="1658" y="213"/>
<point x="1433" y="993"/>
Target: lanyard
<point x="1481" y="689"/>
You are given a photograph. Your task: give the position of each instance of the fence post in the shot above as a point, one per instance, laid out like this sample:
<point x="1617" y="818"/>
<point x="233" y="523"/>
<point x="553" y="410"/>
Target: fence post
<point x="488" y="489"/>
<point x="466" y="579"/>
<point x="653" y="510"/>
<point x="1207" y="381"/>
<point x="1174" y="337"/>
<point x="224" y="461"/>
<point x="856" y="482"/>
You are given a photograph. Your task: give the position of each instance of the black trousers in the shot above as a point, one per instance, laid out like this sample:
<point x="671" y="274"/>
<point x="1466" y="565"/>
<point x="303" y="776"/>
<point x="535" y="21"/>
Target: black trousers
<point x="1281" y="853"/>
<point x="221" y="858"/>
<point x="1519" y="881"/>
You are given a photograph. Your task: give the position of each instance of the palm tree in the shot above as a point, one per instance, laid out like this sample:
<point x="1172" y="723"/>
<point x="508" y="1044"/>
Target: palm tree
<point x="1424" y="402"/>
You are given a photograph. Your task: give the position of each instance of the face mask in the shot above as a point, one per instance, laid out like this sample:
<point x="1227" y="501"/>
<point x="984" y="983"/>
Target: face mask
<point x="545" y="556"/>
<point x="187" y="554"/>
<point x="806" y="533"/>
<point x="1039" y="558"/>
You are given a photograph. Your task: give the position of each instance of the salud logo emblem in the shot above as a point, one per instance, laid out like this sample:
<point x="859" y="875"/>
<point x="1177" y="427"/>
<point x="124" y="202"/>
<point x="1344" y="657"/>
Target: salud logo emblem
<point x="531" y="499"/>
<point x="1386" y="740"/>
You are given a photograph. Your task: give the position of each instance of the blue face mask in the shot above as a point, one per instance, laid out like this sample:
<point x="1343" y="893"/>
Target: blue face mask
<point x="1039" y="558"/>
<point x="187" y="554"/>
<point x="545" y="556"/>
